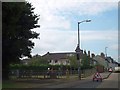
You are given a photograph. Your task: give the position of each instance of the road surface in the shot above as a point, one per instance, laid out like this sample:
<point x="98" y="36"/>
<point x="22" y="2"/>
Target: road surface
<point x="111" y="82"/>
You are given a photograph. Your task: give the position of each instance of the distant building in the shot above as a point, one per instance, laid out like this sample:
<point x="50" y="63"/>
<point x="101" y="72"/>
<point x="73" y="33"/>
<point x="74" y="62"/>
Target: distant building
<point x="88" y="53"/>
<point x="100" y="60"/>
<point x="93" y="61"/>
<point x="107" y="62"/>
<point x="59" y="58"/>
<point x="25" y="61"/>
<point x="63" y="58"/>
<point x="111" y="63"/>
<point x="102" y="55"/>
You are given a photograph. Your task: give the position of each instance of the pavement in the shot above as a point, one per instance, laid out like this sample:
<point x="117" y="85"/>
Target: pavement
<point x="105" y="75"/>
<point x="64" y="82"/>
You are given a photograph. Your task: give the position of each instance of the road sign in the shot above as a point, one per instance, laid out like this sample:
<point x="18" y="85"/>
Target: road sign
<point x="97" y="77"/>
<point x="110" y="70"/>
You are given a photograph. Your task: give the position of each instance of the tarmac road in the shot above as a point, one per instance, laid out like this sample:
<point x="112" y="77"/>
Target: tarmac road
<point x="111" y="82"/>
<point x="55" y="84"/>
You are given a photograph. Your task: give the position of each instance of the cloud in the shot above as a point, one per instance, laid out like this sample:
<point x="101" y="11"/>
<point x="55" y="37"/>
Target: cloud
<point x="54" y="22"/>
<point x="100" y="35"/>
<point x="54" y="14"/>
<point x="56" y="17"/>
<point x="60" y="41"/>
<point x="85" y="6"/>
<point x="114" y="47"/>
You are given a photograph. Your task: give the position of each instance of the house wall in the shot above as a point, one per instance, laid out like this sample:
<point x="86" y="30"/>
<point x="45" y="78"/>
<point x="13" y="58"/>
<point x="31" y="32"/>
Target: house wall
<point x="101" y="61"/>
<point x="59" y="62"/>
<point x="112" y="65"/>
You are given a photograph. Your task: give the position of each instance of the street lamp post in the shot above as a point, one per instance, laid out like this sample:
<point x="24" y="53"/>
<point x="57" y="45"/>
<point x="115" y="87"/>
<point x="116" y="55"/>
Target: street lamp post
<point x="106" y="52"/>
<point x="78" y="49"/>
<point x="106" y="57"/>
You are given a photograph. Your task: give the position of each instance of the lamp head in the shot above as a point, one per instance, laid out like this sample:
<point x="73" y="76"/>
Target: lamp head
<point x="88" y="20"/>
<point x="84" y="21"/>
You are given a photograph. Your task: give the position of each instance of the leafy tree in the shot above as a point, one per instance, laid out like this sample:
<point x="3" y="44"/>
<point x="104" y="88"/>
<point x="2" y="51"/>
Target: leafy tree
<point x="73" y="61"/>
<point x="18" y="19"/>
<point x="38" y="60"/>
<point x="85" y="61"/>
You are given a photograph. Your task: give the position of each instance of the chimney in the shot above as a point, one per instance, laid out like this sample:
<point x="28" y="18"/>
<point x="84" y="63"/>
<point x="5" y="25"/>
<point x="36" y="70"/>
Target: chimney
<point x="102" y="55"/>
<point x="93" y="55"/>
<point x="81" y="51"/>
<point x="89" y="53"/>
<point x="85" y="52"/>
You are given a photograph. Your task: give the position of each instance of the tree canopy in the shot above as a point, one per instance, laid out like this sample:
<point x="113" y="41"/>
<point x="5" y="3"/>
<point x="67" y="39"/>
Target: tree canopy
<point x="73" y="61"/>
<point x="18" y="19"/>
<point x="38" y="60"/>
<point x="85" y="63"/>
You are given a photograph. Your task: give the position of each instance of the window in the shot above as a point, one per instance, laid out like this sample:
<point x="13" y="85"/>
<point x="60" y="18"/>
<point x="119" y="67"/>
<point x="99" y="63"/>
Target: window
<point x="56" y="61"/>
<point x="67" y="61"/>
<point x="49" y="61"/>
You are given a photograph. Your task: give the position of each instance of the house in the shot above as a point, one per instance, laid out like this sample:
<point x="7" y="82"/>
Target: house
<point x="59" y="58"/>
<point x="93" y="61"/>
<point x="24" y="61"/>
<point x="102" y="64"/>
<point x="111" y="63"/>
<point x="100" y="60"/>
<point x="55" y="58"/>
<point x="107" y="62"/>
<point x="62" y="58"/>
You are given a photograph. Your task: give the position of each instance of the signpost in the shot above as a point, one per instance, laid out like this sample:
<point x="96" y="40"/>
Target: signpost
<point x="78" y="59"/>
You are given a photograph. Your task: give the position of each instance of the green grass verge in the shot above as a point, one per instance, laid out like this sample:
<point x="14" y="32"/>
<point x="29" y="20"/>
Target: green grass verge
<point x="13" y="84"/>
<point x="9" y="84"/>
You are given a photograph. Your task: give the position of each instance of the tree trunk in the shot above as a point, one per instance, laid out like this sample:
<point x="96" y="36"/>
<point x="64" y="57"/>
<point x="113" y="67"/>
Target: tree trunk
<point x="5" y="73"/>
<point x="5" y="70"/>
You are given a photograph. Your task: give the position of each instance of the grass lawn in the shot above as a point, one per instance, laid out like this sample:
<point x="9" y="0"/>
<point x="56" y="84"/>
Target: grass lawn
<point x="33" y="83"/>
<point x="13" y="84"/>
<point x="10" y="84"/>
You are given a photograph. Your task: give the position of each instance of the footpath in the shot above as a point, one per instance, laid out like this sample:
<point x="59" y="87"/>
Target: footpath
<point x="53" y="83"/>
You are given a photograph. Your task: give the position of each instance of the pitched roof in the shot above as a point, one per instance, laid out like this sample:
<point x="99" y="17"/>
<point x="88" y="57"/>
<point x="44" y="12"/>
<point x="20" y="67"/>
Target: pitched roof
<point x="100" y="60"/>
<point x="111" y="60"/>
<point x="58" y="56"/>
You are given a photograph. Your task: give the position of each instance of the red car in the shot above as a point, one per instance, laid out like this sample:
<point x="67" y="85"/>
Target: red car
<point x="97" y="77"/>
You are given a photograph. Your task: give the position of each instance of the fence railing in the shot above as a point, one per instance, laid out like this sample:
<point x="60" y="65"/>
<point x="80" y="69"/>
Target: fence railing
<point x="38" y="74"/>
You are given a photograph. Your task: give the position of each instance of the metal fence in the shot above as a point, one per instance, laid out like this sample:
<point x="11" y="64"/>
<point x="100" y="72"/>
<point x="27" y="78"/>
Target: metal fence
<point x="38" y="74"/>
